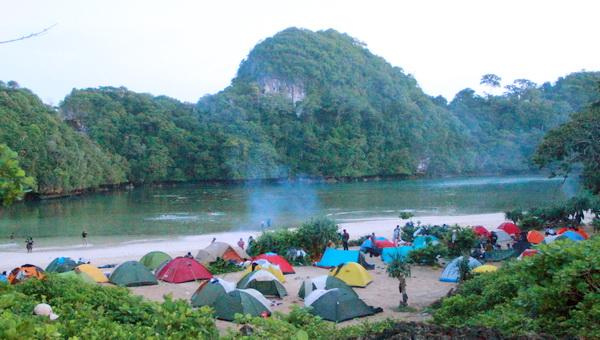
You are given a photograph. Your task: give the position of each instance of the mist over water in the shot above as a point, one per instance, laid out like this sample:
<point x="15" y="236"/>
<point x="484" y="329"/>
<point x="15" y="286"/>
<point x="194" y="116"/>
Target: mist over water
<point x="192" y="209"/>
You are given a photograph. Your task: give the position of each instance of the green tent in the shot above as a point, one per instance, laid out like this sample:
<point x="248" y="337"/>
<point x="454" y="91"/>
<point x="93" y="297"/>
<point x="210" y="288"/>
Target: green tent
<point x="62" y="264"/>
<point x="323" y="282"/>
<point x="132" y="273"/>
<point x="79" y="276"/>
<point x="264" y="282"/>
<point x="243" y="301"/>
<point x="336" y="305"/>
<point x="154" y="259"/>
<point x="209" y="291"/>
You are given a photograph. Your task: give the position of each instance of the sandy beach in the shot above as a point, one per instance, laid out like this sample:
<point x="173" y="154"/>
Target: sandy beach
<point x="423" y="288"/>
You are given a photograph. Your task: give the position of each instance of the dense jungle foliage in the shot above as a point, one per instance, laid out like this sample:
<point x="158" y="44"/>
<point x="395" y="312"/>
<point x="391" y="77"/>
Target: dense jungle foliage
<point x="302" y="104"/>
<point x="554" y="292"/>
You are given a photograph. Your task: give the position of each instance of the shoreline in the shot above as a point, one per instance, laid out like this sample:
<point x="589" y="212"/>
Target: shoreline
<point x="180" y="245"/>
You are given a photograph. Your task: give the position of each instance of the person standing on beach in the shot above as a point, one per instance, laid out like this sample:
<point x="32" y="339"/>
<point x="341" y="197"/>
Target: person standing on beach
<point x="213" y="240"/>
<point x="84" y="237"/>
<point x="396" y="236"/>
<point x="345" y="239"/>
<point x="29" y="244"/>
<point x="12" y="238"/>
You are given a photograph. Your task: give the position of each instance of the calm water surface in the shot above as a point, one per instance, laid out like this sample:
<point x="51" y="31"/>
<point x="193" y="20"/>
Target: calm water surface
<point x="190" y="209"/>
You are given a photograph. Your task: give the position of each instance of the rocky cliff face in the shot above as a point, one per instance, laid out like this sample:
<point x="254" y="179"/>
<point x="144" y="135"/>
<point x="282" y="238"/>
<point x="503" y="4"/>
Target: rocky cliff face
<point x="294" y="91"/>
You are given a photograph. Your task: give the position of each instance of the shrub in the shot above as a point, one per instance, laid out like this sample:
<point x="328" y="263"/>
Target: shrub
<point x="222" y="267"/>
<point x="465" y="240"/>
<point x="428" y="255"/>
<point x="560" y="284"/>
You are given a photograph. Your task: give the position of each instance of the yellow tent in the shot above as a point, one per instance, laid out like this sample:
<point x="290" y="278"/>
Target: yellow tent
<point x="92" y="271"/>
<point x="485" y="268"/>
<point x="270" y="268"/>
<point x="353" y="274"/>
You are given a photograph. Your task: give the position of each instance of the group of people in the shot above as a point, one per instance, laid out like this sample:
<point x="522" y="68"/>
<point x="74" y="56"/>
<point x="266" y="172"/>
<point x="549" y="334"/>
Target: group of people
<point x="29" y="242"/>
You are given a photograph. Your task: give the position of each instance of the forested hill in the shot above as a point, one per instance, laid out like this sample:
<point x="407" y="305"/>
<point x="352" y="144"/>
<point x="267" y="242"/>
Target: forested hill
<point x="302" y="104"/>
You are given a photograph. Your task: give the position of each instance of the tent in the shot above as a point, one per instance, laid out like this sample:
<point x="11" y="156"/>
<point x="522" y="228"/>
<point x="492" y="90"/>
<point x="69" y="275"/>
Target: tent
<point x="529" y="252"/>
<point x="535" y="237"/>
<point x="352" y="273"/>
<point x="154" y="259"/>
<point x="210" y="291"/>
<point x="423" y="241"/>
<point x="25" y="272"/>
<point x="268" y="267"/>
<point x="264" y="282"/>
<point x="578" y="230"/>
<point x="242" y="301"/>
<point x="322" y="282"/>
<point x="336" y="305"/>
<point x="484" y="269"/>
<point x="503" y="236"/>
<point x="451" y="272"/>
<point x="479" y="230"/>
<point x="223" y="251"/>
<point x="367" y="243"/>
<point x="384" y="244"/>
<point x="334" y="257"/>
<point x="183" y="269"/>
<point x="92" y="271"/>
<point x="573" y="235"/>
<point x="284" y="265"/>
<point x="62" y="264"/>
<point x="3" y="278"/>
<point x="510" y="228"/>
<point x="81" y="276"/>
<point x="132" y="274"/>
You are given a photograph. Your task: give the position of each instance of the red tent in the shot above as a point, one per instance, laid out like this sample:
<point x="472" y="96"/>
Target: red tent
<point x="479" y="230"/>
<point x="529" y="252"/>
<point x="183" y="269"/>
<point x="510" y="228"/>
<point x="384" y="244"/>
<point x="277" y="260"/>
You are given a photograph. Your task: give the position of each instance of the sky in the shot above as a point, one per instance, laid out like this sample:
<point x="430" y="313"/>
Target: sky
<point x="187" y="49"/>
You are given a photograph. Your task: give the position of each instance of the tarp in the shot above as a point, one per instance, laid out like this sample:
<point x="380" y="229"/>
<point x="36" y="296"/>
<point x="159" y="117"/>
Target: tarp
<point x="383" y="244"/>
<point x="264" y="282"/>
<point x="242" y="301"/>
<point x="154" y="259"/>
<point x="92" y="271"/>
<point x="132" y="274"/>
<point x="322" y="282"/>
<point x="25" y="272"/>
<point x="499" y="255"/>
<point x="387" y="253"/>
<point x="335" y="257"/>
<point x="284" y="265"/>
<point x="510" y="228"/>
<point x="353" y="274"/>
<point x="210" y="291"/>
<point x="62" y="264"/>
<point x="367" y="243"/>
<point x="336" y="305"/>
<point x="451" y="272"/>
<point x="183" y="269"/>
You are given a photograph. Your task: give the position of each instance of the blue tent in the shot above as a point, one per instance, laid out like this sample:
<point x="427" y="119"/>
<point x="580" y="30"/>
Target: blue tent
<point x="573" y="236"/>
<point x="387" y="253"/>
<point x="3" y="278"/>
<point x="421" y="241"/>
<point x="334" y="257"/>
<point x="451" y="272"/>
<point x="367" y="243"/>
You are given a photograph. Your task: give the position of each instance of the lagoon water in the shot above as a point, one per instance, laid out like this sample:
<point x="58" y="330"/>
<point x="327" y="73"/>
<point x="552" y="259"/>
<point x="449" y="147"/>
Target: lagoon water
<point x="192" y="209"/>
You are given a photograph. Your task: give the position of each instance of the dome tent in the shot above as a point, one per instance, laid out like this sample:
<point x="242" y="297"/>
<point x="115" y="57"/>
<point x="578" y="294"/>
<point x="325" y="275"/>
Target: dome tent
<point x="451" y="272"/>
<point x="183" y="269"/>
<point x="324" y="282"/>
<point x="242" y="301"/>
<point x="154" y="259"/>
<point x="264" y="282"/>
<point x="353" y="274"/>
<point x="210" y="291"/>
<point x="336" y="305"/>
<point x="132" y="274"/>
<point x="284" y="265"/>
<point x="62" y="264"/>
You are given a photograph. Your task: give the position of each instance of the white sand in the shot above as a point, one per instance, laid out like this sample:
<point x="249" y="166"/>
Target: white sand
<point x="177" y="246"/>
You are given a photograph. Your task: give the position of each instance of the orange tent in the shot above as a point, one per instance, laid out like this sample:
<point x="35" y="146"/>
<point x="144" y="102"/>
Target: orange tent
<point x="534" y="236"/>
<point x="25" y="272"/>
<point x="578" y="230"/>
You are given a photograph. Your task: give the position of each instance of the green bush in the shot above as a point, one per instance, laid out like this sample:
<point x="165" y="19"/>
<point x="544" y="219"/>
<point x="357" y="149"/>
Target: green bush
<point x="554" y="292"/>
<point x="222" y="267"/>
<point x="95" y="312"/>
<point x="428" y="255"/>
<point x="465" y="240"/>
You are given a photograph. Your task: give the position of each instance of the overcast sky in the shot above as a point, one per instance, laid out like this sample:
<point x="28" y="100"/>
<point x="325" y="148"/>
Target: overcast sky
<point x="186" y="49"/>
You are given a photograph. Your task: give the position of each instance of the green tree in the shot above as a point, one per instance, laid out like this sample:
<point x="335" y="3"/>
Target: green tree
<point x="490" y="80"/>
<point x="399" y="268"/>
<point x="572" y="144"/>
<point x="13" y="182"/>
